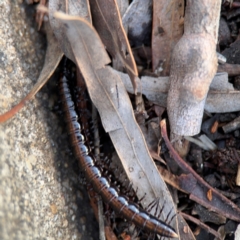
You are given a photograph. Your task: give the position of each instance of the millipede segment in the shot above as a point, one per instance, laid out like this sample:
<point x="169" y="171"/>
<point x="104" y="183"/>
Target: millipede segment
<point x="100" y="184"/>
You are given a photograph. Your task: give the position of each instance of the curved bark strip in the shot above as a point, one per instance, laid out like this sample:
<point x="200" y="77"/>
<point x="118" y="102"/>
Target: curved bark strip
<point x="194" y="64"/>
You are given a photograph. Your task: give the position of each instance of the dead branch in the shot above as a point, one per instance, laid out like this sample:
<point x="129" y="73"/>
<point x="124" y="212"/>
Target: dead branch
<point x="194" y="63"/>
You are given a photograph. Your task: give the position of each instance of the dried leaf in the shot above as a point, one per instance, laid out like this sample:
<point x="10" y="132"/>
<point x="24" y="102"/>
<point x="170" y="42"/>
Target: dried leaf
<point x="122" y="6"/>
<point x="72" y="7"/>
<point x="167" y="30"/>
<point x="110" y="234"/>
<point x="174" y="180"/>
<point x="238" y="176"/>
<point x="185" y="235"/>
<point x="204" y="216"/>
<point x="237" y="233"/>
<point x="151" y="135"/>
<point x="52" y="58"/>
<point x="137" y="22"/>
<point x="111" y="99"/>
<point x="108" y="23"/>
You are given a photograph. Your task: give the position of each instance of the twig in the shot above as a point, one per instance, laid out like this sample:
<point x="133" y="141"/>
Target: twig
<point x="232" y="126"/>
<point x="201" y="224"/>
<point x="231" y="69"/>
<point x="101" y="219"/>
<point x="218" y="203"/>
<point x="194" y="63"/>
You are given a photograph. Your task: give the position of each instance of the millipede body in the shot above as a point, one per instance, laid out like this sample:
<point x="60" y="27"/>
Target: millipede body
<point x="100" y="184"/>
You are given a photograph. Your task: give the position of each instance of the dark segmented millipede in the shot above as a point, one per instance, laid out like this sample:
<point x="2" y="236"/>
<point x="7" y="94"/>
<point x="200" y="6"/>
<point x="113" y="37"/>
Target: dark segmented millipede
<point x="100" y="184"/>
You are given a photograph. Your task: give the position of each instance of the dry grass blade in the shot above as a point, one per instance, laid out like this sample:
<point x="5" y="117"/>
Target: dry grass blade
<point x="108" y="23"/>
<point x="52" y="59"/>
<point x="111" y="99"/>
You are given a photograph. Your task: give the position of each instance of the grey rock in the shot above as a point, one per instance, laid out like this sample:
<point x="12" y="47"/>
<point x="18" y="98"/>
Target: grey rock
<point x="40" y="193"/>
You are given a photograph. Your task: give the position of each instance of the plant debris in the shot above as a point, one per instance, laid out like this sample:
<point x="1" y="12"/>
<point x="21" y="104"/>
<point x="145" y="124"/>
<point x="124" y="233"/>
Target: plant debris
<point x="172" y="47"/>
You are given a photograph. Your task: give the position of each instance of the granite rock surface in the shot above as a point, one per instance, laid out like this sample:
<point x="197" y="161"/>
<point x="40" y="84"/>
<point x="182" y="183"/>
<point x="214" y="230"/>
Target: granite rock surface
<point x="41" y="196"/>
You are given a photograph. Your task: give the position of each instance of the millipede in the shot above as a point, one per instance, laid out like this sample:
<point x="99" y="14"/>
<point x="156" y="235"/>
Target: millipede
<point x="100" y="184"/>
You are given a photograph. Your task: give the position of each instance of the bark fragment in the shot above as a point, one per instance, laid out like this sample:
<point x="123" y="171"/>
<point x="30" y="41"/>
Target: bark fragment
<point x="167" y="30"/>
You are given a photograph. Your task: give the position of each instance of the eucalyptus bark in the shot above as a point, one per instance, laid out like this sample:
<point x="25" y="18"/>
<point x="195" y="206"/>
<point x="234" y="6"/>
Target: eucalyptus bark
<point x="193" y="66"/>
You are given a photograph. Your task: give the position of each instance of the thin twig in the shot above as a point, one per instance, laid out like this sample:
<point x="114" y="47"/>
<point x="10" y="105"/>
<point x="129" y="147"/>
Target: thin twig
<point x="201" y="224"/>
<point x="219" y="203"/>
